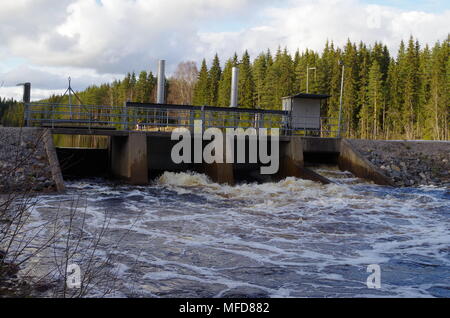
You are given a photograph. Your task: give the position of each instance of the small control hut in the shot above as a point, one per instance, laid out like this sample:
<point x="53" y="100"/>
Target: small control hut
<point x="304" y="111"/>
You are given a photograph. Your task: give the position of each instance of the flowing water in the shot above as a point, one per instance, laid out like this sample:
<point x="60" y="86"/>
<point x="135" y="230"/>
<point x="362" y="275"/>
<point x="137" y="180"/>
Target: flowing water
<point x="184" y="236"/>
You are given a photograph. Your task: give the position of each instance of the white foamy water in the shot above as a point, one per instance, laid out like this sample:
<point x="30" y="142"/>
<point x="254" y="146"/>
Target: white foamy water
<point x="185" y="236"/>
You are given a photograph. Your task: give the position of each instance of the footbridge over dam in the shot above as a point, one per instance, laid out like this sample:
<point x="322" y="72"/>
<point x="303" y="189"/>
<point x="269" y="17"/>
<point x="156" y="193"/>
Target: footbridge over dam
<point x="140" y="142"/>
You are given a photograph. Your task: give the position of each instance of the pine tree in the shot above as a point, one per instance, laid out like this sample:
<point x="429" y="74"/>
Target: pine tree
<point x="259" y="74"/>
<point x="424" y="123"/>
<point x="370" y="113"/>
<point x="150" y="93"/>
<point x="363" y="80"/>
<point x="141" y="87"/>
<point x="201" y="90"/>
<point x="287" y="74"/>
<point x="125" y="89"/>
<point x="438" y="104"/>
<point x="246" y="84"/>
<point x="270" y="99"/>
<point x="350" y="97"/>
<point x="214" y="76"/>
<point x="410" y="103"/>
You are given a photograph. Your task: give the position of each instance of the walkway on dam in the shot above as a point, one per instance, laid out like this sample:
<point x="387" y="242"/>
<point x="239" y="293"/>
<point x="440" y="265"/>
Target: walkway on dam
<point x="150" y="118"/>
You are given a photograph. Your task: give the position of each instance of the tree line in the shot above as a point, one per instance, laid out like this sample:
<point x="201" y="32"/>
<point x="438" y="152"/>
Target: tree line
<point x="385" y="97"/>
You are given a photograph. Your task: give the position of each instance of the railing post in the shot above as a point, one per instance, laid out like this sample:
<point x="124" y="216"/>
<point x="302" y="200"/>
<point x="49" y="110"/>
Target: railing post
<point x="167" y="118"/>
<point x="90" y="111"/>
<point x="203" y="119"/>
<point x="53" y="116"/>
<point x="260" y="121"/>
<point x="191" y="120"/>
<point x="125" y="116"/>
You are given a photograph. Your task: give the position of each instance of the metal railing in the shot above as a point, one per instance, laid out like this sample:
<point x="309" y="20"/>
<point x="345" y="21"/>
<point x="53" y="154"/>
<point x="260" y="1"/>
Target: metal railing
<point x="158" y="118"/>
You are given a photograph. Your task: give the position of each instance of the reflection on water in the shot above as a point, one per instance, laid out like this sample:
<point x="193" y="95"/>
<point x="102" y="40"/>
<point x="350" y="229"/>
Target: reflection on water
<point x="185" y="236"/>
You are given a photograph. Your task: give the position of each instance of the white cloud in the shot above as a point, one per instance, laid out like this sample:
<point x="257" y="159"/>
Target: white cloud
<point x="95" y="42"/>
<point x="307" y="24"/>
<point x="118" y="35"/>
<point x="36" y="93"/>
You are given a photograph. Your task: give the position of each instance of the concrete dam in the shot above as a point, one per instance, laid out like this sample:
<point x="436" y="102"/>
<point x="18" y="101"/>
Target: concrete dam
<point x="137" y="158"/>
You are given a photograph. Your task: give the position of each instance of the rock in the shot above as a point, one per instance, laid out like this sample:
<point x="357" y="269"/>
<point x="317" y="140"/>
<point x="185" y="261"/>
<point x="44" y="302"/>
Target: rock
<point x="395" y="168"/>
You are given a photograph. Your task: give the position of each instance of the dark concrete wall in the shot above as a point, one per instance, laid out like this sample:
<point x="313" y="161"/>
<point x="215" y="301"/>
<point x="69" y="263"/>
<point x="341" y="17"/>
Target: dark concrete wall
<point x="83" y="162"/>
<point x="321" y="145"/>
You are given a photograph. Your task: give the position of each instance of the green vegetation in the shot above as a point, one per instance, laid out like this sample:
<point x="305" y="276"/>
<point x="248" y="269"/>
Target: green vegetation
<point x="406" y="97"/>
<point x="11" y="112"/>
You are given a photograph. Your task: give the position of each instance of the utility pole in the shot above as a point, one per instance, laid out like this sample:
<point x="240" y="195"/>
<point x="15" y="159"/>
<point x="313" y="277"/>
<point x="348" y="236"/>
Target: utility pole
<point x="26" y="100"/>
<point x="340" y="102"/>
<point x="26" y="91"/>
<point x="307" y="77"/>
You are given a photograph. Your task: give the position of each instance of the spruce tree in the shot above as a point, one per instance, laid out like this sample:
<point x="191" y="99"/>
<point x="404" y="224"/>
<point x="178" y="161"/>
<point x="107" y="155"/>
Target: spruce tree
<point x="350" y="97"/>
<point x="246" y="84"/>
<point x="259" y="74"/>
<point x="410" y="103"/>
<point x="214" y="75"/>
<point x="202" y="88"/>
<point x="375" y="97"/>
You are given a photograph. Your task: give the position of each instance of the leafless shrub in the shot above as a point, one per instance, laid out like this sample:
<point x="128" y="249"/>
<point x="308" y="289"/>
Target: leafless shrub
<point x="36" y="253"/>
<point x="182" y="84"/>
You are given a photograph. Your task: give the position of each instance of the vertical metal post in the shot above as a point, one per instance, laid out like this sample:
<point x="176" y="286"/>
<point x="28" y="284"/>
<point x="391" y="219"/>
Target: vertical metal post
<point x="340" y="102"/>
<point x="70" y="99"/>
<point x="234" y="87"/>
<point x="125" y="116"/>
<point x="160" y="93"/>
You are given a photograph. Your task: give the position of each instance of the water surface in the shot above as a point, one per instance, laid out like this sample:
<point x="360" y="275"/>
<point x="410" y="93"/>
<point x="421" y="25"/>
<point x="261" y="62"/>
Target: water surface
<point x="184" y="236"/>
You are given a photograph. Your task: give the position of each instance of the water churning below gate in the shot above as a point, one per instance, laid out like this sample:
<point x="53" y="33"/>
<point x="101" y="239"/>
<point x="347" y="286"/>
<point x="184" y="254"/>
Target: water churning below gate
<point x="184" y="236"/>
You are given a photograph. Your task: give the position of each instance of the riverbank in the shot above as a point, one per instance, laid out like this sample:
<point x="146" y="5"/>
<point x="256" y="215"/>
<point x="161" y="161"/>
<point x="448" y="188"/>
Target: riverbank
<point x="409" y="163"/>
<point x="25" y="160"/>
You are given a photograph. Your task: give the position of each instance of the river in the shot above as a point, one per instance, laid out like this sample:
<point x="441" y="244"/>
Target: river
<point x="184" y="236"/>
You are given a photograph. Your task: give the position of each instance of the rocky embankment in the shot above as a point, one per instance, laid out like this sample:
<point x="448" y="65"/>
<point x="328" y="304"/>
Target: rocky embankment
<point x="24" y="165"/>
<point x="409" y="163"/>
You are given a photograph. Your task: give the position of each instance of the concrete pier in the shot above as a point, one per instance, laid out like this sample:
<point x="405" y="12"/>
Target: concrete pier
<point x="222" y="173"/>
<point x="128" y="155"/>
<point x="291" y="158"/>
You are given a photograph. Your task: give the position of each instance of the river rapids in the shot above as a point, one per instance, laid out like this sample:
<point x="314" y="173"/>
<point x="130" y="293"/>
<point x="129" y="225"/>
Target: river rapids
<point x="185" y="236"/>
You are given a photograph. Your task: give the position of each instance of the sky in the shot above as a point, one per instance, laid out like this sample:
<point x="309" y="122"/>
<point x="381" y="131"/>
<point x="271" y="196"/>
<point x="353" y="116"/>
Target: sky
<point x="96" y="41"/>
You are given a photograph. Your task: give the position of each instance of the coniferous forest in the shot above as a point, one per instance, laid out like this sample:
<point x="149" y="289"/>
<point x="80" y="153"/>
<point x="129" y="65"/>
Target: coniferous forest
<point x="405" y="95"/>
